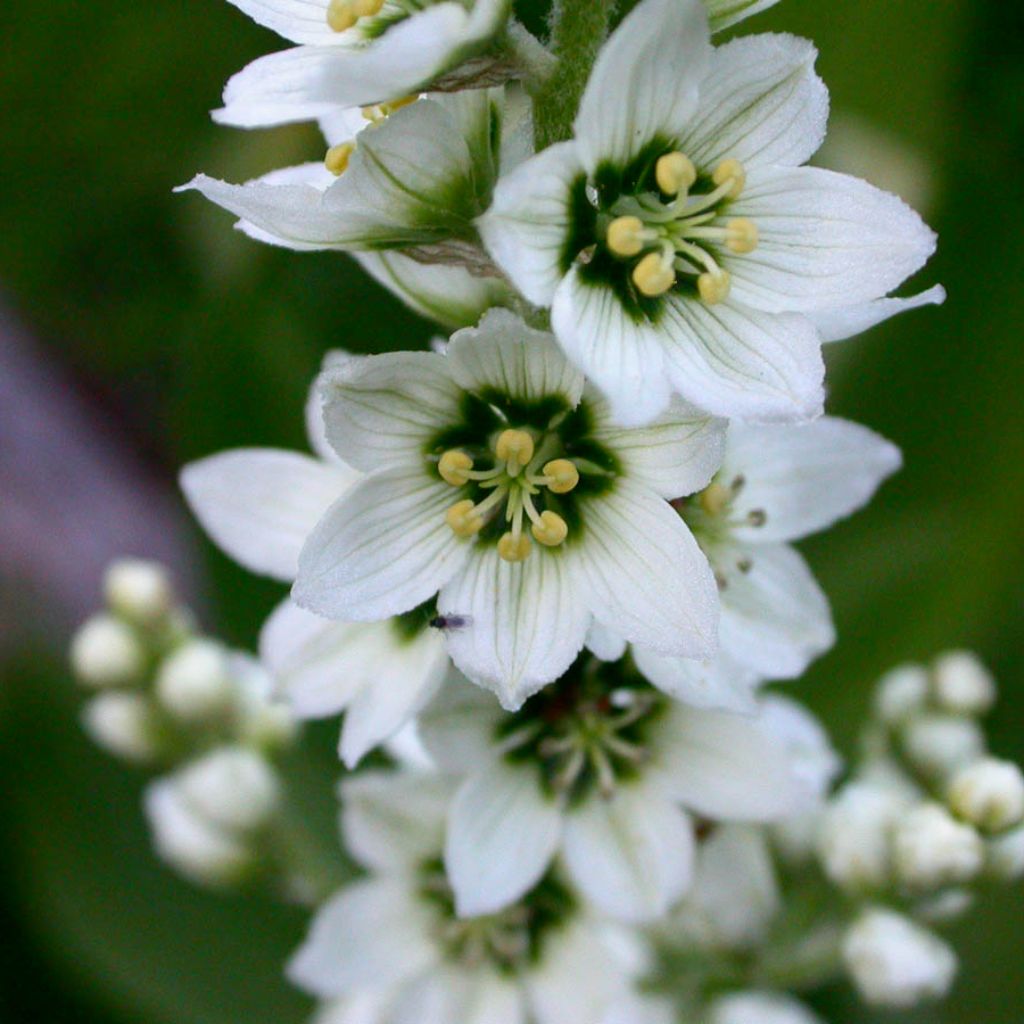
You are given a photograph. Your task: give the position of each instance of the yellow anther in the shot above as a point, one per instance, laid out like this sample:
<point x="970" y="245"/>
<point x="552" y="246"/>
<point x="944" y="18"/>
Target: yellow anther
<point x="514" y="549"/>
<point x="674" y="173"/>
<point x="338" y="157"/>
<point x="454" y="467"/>
<point x="341" y="15"/>
<point x="731" y="170"/>
<point x="403" y="101"/>
<point x="551" y="530"/>
<point x="714" y="498"/>
<point x="626" y="236"/>
<point x="653" y="275"/>
<point x="562" y="476"/>
<point x="367" y="8"/>
<point x="463" y="519"/>
<point x="714" y="286"/>
<point x="515" y="447"/>
<point x="741" y="235"/>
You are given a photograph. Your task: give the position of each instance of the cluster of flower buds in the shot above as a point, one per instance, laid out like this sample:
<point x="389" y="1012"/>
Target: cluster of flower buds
<point x="169" y="699"/>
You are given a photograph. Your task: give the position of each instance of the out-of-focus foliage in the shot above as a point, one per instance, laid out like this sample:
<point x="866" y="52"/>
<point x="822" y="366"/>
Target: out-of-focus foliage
<point x="200" y="339"/>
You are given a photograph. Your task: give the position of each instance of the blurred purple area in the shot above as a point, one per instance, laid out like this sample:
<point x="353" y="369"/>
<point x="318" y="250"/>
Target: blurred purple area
<point x="75" y="492"/>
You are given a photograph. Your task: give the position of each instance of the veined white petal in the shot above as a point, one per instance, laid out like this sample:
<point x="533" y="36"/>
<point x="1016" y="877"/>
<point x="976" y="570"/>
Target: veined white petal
<point x="528" y="228"/>
<point x="645" y="82"/>
<point x="724" y="13"/>
<point x="826" y="240"/>
<point x="743" y="364"/>
<point x="371" y="930"/>
<point x="775" y="618"/>
<point x="631" y="855"/>
<point x="311" y="81"/>
<point x="720" y="682"/>
<point x="645" y="577"/>
<point x="451" y="296"/>
<point x="724" y="766"/>
<point x="803" y="478"/>
<point x="840" y="324"/>
<point x="381" y="411"/>
<point x="382" y="550"/>
<point x="503" y="831"/>
<point x="618" y="352"/>
<point x="458" y="727"/>
<point x="454" y="996"/>
<point x="299" y="21"/>
<point x="674" y="455"/>
<point x="761" y="103"/>
<point x="394" y="821"/>
<point x="526" y="620"/>
<point x="505" y="354"/>
<point x="260" y="504"/>
<point x="605" y="643"/>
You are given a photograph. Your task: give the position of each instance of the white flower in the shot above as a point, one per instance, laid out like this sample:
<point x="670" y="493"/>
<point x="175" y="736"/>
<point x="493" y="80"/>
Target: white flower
<point x="603" y="768"/>
<point x="392" y="946"/>
<point x="896" y="963"/>
<point x="776" y="484"/>
<point x="106" y="652"/>
<point x="962" y="684"/>
<point x="497" y="483"/>
<point x="677" y="239"/>
<point x="358" y="52"/>
<point x="760" y="1008"/>
<point x="932" y="849"/>
<point x="989" y="793"/>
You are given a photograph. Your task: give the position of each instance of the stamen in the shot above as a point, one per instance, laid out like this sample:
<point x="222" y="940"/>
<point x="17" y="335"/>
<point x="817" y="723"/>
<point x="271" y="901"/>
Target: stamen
<point x="551" y="530"/>
<point x="516" y="448"/>
<point x="731" y="170"/>
<point x="343" y="14"/>
<point x="653" y="276"/>
<point x="455" y="467"/>
<point x="514" y="549"/>
<point x="464" y="519"/>
<point x="757" y="517"/>
<point x="741" y="235"/>
<point x="714" y="498"/>
<point x="626" y="236"/>
<point x="714" y="286"/>
<point x="338" y="157"/>
<point x="561" y="476"/>
<point x="377" y="112"/>
<point x="674" y="173"/>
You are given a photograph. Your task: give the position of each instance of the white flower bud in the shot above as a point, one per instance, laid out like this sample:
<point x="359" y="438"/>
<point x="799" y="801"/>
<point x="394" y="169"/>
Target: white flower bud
<point x="939" y="744"/>
<point x="191" y="844"/>
<point x="896" y="963"/>
<point x="106" y="652"/>
<point x="232" y="788"/>
<point x="263" y="722"/>
<point x="962" y="683"/>
<point x="760" y="1008"/>
<point x="932" y="849"/>
<point x="944" y="907"/>
<point x="139" y="591"/>
<point x="1006" y="856"/>
<point x="989" y="794"/>
<point x="122" y="724"/>
<point x="194" y="684"/>
<point x="901" y="694"/>
<point x="854" y="840"/>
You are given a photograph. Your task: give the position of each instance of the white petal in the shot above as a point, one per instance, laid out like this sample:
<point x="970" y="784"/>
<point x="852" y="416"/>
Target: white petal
<point x="382" y="411"/>
<point x="644" y="84"/>
<point x="724" y="766"/>
<point x="300" y="21"/>
<point x="806" y="741"/>
<point x="459" y="726"/>
<point x="646" y="578"/>
<point x="631" y="855"/>
<point x="371" y="932"/>
<point x="840" y="324"/>
<point x="724" y="13"/>
<point x="529" y="225"/>
<point x="526" y="621"/>
<point x="502" y="833"/>
<point x="826" y="240"/>
<point x="674" y="455"/>
<point x="775" y="618"/>
<point x="384" y="549"/>
<point x="260" y="504"/>
<point x="636" y="1009"/>
<point x="739" y="363"/>
<point x="459" y="996"/>
<point x="605" y="643"/>
<point x="394" y="821"/>
<point x="805" y="477"/>
<point x="504" y="354"/>
<point x="620" y="354"/>
<point x="761" y="103"/>
<point x="451" y="296"/>
<point x="760" y="1008"/>
<point x="719" y="683"/>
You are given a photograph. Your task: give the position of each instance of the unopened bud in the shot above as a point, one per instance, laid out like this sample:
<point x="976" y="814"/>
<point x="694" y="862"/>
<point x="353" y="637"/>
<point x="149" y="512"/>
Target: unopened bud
<point x="194" y="683"/>
<point x="989" y="794"/>
<point x="939" y="744"/>
<point x="902" y="693"/>
<point x="138" y="590"/>
<point x="932" y="849"/>
<point x="1005" y="856"/>
<point x="962" y="683"/>
<point x="106" y="652"/>
<point x="760" y="1008"/>
<point x="232" y="788"/>
<point x="123" y="725"/>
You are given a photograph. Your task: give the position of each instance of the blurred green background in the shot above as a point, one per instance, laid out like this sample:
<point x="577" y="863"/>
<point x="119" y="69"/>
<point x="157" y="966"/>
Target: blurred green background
<point x="174" y="337"/>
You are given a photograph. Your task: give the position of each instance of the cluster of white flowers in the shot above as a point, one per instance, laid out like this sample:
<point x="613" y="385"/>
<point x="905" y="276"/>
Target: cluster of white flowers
<point x="583" y="503"/>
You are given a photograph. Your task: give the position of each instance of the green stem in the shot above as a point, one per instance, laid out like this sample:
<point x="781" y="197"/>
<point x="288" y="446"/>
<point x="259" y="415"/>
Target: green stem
<point x="578" y="29"/>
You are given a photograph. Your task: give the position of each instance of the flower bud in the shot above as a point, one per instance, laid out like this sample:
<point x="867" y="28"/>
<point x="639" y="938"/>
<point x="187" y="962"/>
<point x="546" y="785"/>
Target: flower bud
<point x="989" y="794"/>
<point x="194" y="683"/>
<point x="944" y="907"/>
<point x="932" y="849"/>
<point x="139" y="591"/>
<point x="901" y="694"/>
<point x="232" y="788"/>
<point x="938" y="744"/>
<point x="962" y="684"/>
<point x="1005" y="856"/>
<point x="896" y="963"/>
<point x="106" y="652"/>
<point x="122" y="724"/>
<point x="760" y="1008"/>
